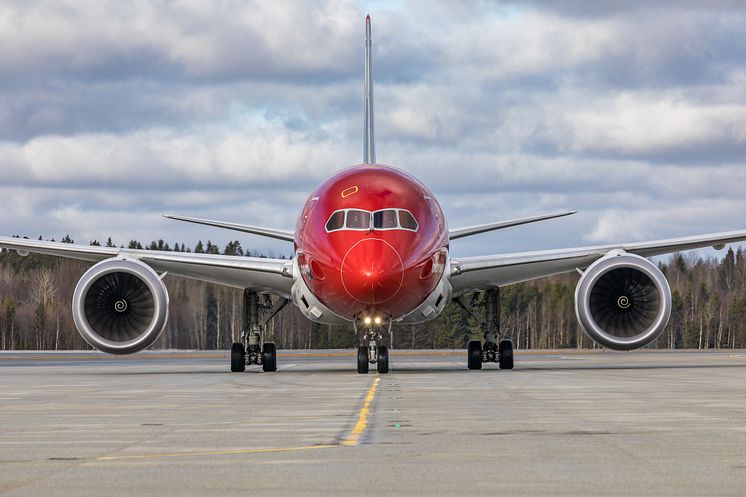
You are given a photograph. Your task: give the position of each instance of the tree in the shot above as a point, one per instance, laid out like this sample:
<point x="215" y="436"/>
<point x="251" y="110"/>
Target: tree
<point x="727" y="270"/>
<point x="212" y="249"/>
<point x="233" y="248"/>
<point x="9" y="324"/>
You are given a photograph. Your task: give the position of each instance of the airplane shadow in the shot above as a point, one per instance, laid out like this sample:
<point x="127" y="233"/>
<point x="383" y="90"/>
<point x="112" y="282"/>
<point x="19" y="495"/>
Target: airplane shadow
<point x="424" y="369"/>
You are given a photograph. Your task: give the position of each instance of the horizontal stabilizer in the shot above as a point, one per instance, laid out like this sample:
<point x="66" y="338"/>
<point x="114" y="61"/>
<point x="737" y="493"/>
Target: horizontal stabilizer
<point x="482" y="228"/>
<point x="286" y="235"/>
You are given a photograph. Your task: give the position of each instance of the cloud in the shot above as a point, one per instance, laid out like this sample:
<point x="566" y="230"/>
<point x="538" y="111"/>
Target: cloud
<point x="642" y="125"/>
<point x="113" y="113"/>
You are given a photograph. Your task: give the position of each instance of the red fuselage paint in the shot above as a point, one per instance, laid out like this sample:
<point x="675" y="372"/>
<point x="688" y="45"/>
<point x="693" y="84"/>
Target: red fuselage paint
<point x="387" y="272"/>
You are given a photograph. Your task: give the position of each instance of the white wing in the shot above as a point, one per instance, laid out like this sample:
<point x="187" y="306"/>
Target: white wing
<point x="471" y="274"/>
<point x="273" y="276"/>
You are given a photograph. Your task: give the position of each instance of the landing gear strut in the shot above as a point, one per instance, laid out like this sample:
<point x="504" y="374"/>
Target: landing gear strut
<point x="491" y="350"/>
<point x="370" y="352"/>
<point x="258" y="310"/>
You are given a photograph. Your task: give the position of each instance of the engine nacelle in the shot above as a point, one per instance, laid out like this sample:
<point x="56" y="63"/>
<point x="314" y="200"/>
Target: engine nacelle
<point x="120" y="306"/>
<point x="623" y="301"/>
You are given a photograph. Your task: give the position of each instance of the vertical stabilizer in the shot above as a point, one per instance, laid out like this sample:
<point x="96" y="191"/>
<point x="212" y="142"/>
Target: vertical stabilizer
<point x="369" y="146"/>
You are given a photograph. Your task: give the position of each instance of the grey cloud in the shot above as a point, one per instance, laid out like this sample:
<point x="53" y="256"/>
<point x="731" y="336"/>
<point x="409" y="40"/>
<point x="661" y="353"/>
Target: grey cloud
<point x="226" y="40"/>
<point x="591" y="8"/>
<point x="114" y="113"/>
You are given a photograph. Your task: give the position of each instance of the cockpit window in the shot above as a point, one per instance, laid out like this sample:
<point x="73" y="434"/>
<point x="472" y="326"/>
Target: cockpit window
<point x="385" y="220"/>
<point x="336" y="221"/>
<point x="357" y="220"/>
<point x="406" y="220"/>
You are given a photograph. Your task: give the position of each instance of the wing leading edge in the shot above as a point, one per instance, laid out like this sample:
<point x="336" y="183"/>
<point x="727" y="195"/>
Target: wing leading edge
<point x="483" y="228"/>
<point x="472" y="274"/>
<point x="284" y="235"/>
<point x="263" y="275"/>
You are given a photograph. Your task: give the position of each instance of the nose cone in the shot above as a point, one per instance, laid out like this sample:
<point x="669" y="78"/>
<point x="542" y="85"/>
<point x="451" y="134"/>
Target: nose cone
<point x="372" y="271"/>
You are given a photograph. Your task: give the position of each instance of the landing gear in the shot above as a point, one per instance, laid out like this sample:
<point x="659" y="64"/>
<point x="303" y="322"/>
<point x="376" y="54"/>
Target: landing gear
<point x="490" y="350"/>
<point x="372" y="332"/>
<point x="258" y="310"/>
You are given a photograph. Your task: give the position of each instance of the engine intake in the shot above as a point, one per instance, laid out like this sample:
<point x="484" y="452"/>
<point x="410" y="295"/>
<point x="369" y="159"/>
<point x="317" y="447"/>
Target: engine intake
<point x="623" y="301"/>
<point x="120" y="306"/>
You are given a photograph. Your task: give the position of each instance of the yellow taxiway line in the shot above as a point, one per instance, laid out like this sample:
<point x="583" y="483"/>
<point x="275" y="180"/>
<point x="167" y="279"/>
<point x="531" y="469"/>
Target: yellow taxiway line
<point x="351" y="440"/>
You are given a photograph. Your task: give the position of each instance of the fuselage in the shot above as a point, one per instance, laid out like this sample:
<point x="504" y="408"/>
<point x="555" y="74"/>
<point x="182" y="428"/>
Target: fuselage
<point x="371" y="240"/>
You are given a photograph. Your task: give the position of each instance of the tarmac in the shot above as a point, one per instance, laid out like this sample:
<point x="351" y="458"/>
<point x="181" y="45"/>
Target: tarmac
<point x="561" y="423"/>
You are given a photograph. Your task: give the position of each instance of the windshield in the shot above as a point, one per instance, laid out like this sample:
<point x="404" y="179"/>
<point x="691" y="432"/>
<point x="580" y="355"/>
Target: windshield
<point x="385" y="219"/>
<point x="358" y="220"/>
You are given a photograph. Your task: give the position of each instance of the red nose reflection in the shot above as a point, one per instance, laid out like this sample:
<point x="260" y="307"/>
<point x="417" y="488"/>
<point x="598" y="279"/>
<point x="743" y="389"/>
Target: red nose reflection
<point x="372" y="271"/>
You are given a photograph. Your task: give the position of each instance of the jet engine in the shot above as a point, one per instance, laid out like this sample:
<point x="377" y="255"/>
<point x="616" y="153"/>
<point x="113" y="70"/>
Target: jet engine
<point x="623" y="301"/>
<point x="120" y="306"/>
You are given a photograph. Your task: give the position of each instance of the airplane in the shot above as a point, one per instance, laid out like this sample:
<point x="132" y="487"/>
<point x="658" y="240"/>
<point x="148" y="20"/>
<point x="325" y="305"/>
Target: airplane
<point x="371" y="248"/>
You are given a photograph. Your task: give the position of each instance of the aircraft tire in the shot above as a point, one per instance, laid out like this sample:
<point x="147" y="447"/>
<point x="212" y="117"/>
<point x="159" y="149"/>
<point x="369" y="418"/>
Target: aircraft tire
<point x="474" y="355"/>
<point x="383" y="360"/>
<point x="269" y="357"/>
<point x="362" y="359"/>
<point x="505" y="354"/>
<point x="238" y="358"/>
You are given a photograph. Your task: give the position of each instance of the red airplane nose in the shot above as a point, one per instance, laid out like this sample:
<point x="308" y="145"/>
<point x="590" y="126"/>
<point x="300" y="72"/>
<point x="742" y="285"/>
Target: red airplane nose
<point x="372" y="271"/>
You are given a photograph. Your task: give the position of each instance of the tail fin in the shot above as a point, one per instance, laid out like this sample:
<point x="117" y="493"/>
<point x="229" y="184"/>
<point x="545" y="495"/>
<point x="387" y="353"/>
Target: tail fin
<point x="369" y="146"/>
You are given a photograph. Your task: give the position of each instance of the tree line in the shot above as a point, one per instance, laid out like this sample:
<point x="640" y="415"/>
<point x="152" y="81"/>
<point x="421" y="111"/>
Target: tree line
<point x="709" y="309"/>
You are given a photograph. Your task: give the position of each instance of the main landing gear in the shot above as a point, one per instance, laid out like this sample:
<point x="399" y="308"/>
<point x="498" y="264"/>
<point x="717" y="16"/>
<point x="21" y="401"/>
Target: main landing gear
<point x="491" y="351"/>
<point x="258" y="310"/>
<point x="370" y="352"/>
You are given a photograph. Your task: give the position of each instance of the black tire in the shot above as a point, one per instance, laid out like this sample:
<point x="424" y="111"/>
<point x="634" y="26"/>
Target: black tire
<point x="362" y="359"/>
<point x="505" y="351"/>
<point x="474" y="356"/>
<point x="238" y="358"/>
<point x="383" y="360"/>
<point x="269" y="357"/>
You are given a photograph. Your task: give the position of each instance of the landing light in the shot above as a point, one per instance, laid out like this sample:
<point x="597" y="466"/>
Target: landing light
<point x="367" y="320"/>
<point x="378" y="320"/>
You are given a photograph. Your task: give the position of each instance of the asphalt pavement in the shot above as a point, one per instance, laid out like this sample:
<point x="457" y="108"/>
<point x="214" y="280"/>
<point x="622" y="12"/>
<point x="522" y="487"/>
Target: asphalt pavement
<point x="561" y="423"/>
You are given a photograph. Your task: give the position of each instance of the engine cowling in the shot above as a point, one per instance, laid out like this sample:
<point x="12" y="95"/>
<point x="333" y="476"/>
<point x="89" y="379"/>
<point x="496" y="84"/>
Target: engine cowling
<point x="120" y="306"/>
<point x="623" y="301"/>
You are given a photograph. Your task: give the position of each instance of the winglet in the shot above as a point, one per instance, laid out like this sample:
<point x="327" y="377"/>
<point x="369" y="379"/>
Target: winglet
<point x="369" y="145"/>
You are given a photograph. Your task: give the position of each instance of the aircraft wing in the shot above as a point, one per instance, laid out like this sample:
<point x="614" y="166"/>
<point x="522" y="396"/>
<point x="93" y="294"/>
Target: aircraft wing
<point x="456" y="233"/>
<point x="473" y="274"/>
<point x="274" y="276"/>
<point x="284" y="235"/>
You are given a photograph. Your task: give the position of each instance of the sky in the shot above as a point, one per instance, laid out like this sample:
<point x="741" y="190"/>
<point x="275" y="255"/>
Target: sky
<point x="631" y="112"/>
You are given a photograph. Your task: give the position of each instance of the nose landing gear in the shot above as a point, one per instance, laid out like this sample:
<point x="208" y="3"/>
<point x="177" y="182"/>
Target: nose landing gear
<point x="370" y="352"/>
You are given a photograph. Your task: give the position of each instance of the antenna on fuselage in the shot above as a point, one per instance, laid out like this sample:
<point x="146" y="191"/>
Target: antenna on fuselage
<point x="369" y="145"/>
